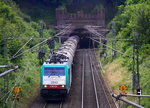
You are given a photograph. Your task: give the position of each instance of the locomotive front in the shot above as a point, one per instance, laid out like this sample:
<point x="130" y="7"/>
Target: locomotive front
<point x="53" y="78"/>
<point x="56" y="72"/>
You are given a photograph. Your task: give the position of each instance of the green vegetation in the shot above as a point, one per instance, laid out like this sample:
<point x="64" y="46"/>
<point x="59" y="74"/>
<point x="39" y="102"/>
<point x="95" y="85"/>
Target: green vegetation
<point x="133" y="17"/>
<point x="17" y="25"/>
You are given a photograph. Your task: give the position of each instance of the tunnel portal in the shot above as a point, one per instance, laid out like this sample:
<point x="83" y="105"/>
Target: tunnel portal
<point x="85" y="41"/>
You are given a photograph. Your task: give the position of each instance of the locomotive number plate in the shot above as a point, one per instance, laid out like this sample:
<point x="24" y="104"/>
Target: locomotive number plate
<point x="54" y="82"/>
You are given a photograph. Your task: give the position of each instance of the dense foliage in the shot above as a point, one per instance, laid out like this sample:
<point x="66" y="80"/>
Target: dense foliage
<point x="134" y="17"/>
<point x="133" y="22"/>
<point x="16" y="29"/>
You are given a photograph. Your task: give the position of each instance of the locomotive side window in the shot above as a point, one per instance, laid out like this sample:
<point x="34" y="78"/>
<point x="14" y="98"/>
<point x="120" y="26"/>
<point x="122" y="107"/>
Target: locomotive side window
<point x="56" y="71"/>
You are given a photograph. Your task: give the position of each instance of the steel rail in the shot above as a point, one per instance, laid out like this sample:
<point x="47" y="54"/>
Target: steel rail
<point x="95" y="88"/>
<point x="61" y="105"/>
<point x="110" y="91"/>
<point x="82" y="104"/>
<point x="44" y="105"/>
<point x="102" y="84"/>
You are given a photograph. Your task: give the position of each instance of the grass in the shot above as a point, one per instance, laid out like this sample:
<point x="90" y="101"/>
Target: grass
<point x="117" y="74"/>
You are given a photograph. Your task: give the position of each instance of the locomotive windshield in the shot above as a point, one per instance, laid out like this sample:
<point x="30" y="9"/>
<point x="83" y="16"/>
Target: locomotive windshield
<point x="54" y="71"/>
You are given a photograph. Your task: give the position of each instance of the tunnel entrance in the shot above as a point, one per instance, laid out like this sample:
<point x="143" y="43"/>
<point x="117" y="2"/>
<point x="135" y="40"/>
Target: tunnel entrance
<point x="85" y="41"/>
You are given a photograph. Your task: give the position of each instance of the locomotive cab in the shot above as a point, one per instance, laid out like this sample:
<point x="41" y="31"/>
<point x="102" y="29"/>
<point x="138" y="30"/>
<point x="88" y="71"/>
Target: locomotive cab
<point x="54" y="81"/>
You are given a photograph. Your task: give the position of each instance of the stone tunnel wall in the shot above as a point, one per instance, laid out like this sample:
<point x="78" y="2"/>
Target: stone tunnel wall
<point x="80" y="19"/>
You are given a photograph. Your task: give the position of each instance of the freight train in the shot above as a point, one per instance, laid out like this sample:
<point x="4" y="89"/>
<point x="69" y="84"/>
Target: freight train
<point x="56" y="72"/>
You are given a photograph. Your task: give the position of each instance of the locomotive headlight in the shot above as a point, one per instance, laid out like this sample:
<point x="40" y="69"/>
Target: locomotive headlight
<point x="45" y="86"/>
<point x="63" y="86"/>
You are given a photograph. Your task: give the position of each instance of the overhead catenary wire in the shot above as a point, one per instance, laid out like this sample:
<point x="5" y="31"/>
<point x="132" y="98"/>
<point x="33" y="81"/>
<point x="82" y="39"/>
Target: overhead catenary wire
<point x="28" y="49"/>
<point x="117" y="39"/>
<point x="36" y="45"/>
<point x="27" y="38"/>
<point x="113" y="49"/>
<point x="21" y="76"/>
<point x="24" y="38"/>
<point x="92" y="30"/>
<point x="61" y="32"/>
<point x="22" y="47"/>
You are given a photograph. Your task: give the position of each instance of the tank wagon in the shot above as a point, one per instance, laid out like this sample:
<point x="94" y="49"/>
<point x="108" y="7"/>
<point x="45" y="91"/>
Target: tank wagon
<point x="56" y="72"/>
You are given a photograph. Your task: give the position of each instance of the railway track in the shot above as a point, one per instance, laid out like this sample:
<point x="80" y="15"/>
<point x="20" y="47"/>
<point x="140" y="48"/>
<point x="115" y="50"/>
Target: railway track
<point x="89" y="97"/>
<point x="102" y="99"/>
<point x="53" y="105"/>
<point x="105" y="88"/>
<point x="88" y="89"/>
<point x="93" y="90"/>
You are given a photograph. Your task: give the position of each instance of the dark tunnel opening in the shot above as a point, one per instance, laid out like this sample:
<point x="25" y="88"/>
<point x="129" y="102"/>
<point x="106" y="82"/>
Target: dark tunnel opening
<point x="85" y="41"/>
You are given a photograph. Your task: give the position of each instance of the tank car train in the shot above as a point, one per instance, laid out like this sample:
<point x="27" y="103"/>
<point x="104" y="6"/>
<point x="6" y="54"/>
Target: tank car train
<point x="56" y="72"/>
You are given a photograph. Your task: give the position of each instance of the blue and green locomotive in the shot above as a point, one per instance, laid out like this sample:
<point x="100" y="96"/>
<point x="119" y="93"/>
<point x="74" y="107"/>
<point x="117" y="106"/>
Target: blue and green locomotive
<point x="56" y="72"/>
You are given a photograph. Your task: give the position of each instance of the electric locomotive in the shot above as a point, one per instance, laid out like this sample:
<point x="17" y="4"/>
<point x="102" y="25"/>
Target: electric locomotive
<point x="56" y="72"/>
